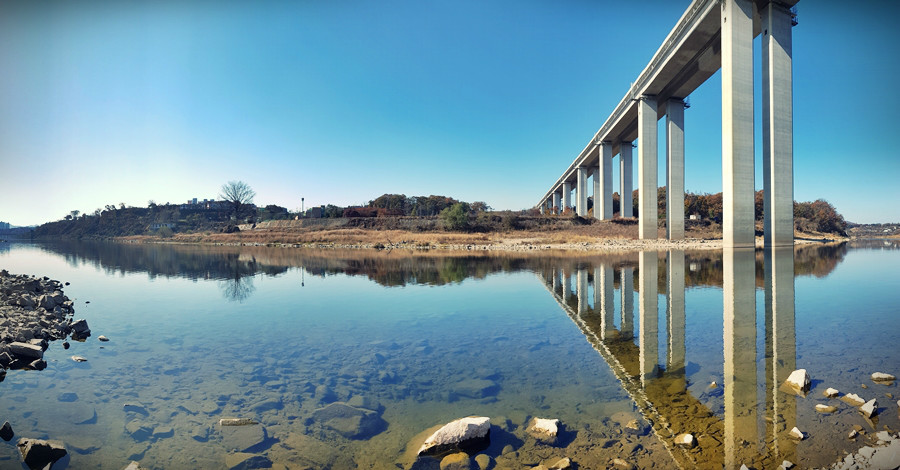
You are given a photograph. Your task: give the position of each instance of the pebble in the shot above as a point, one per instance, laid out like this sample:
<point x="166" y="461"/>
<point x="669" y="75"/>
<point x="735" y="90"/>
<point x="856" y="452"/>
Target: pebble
<point x="103" y="338"/>
<point x="79" y="359"/>
<point x="797" y="434"/>
<point x="825" y="408"/>
<point x="831" y="392"/>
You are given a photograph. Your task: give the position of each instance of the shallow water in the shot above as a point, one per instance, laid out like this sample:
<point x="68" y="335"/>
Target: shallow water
<point x="202" y="333"/>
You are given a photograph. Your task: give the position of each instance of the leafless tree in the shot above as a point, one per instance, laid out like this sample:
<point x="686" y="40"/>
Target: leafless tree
<point x="238" y="194"/>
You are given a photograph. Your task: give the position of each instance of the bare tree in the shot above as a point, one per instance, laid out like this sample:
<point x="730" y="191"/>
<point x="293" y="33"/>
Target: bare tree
<point x="238" y="194"/>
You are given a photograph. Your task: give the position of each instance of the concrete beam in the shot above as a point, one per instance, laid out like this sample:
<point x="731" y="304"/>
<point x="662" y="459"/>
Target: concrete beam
<point x="647" y="171"/>
<point x="626" y="183"/>
<point x="675" y="169"/>
<point x="778" y="126"/>
<point x="738" y="227"/>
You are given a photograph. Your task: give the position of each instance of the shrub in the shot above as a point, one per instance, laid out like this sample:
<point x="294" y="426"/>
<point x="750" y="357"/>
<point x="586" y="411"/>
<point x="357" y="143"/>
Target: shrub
<point x="456" y="217"/>
<point x="164" y="232"/>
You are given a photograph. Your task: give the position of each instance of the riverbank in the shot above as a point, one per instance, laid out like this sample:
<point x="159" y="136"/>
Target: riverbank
<point x="563" y="235"/>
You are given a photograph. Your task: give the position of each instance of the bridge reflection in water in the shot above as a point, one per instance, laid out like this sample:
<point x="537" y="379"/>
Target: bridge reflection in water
<point x="751" y="431"/>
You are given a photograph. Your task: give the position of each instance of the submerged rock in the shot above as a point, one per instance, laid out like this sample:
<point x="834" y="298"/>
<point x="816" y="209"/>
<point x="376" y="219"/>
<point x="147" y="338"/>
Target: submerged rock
<point x="242" y="438"/>
<point x="237" y="422"/>
<point x="797" y="383"/>
<point x="457" y="461"/>
<point x="349" y="421"/>
<point x="245" y="461"/>
<point x="471" y="433"/>
<point x="38" y="453"/>
<point x="476" y="388"/>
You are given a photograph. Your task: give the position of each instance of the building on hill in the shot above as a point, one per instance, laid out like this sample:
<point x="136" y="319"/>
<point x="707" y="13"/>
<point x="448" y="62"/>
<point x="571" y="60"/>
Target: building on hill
<point x="4" y="226"/>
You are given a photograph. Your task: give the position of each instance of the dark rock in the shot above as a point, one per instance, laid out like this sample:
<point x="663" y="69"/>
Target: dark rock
<point x="349" y="421"/>
<point x="26" y="350"/>
<point x="242" y="438"/>
<point x="245" y="461"/>
<point x="6" y="432"/>
<point x="38" y="453"/>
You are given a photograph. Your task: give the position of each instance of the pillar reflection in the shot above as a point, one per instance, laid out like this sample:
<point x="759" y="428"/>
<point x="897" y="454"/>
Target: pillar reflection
<point x="626" y="285"/>
<point x="675" y="310"/>
<point x="648" y="283"/>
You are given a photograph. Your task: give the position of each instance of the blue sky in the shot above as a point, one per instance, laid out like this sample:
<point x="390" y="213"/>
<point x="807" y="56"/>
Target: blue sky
<point x="340" y="102"/>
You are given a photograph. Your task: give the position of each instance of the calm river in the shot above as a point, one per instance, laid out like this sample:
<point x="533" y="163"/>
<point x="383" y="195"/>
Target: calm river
<point x="415" y="340"/>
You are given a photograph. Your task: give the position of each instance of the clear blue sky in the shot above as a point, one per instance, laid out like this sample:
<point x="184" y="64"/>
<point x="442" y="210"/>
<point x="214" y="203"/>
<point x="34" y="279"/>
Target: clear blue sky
<point x="341" y="101"/>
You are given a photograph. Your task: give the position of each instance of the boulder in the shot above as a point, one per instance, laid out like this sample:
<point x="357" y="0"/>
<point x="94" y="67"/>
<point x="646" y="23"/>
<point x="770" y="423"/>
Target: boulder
<point x="245" y="461"/>
<point x="831" y="392"/>
<point x="882" y="377"/>
<point x="26" y="350"/>
<point x="685" y="440"/>
<point x="470" y="433"/>
<point x="797" y="383"/>
<point x="869" y="408"/>
<point x="456" y="461"/>
<point x="544" y="430"/>
<point x="38" y="453"/>
<point x="6" y="432"/>
<point x="853" y="399"/>
<point x="349" y="421"/>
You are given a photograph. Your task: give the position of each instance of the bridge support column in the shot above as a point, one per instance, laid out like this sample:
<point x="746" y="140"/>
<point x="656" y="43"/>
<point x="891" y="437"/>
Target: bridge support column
<point x="648" y="335"/>
<point x="566" y="195"/>
<point x="647" y="171"/>
<point x="739" y="315"/>
<point x="626" y="184"/>
<point x="626" y="285"/>
<point x="581" y="191"/>
<point x="778" y="126"/>
<point x="603" y="209"/>
<point x="556" y="203"/>
<point x="738" y="227"/>
<point x="675" y="169"/>
<point x="675" y="316"/>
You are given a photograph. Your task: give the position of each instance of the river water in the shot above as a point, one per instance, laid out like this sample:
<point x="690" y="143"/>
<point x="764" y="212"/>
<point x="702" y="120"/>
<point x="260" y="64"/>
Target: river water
<point x="415" y="340"/>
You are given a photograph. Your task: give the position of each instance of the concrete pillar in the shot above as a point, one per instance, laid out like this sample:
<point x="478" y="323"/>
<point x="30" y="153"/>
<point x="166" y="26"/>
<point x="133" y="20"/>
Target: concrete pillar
<point x="595" y="176"/>
<point x="648" y="335"/>
<point x="778" y="126"/>
<point x="567" y="194"/>
<point x="647" y="172"/>
<point x="581" y="191"/>
<point x="603" y="184"/>
<point x="781" y="348"/>
<point x="739" y="318"/>
<point x="603" y="299"/>
<point x="675" y="169"/>
<point x="626" y="185"/>
<point x="675" y="316"/>
<point x="556" y="202"/>
<point x="626" y="285"/>
<point x="737" y="124"/>
<point x="581" y="290"/>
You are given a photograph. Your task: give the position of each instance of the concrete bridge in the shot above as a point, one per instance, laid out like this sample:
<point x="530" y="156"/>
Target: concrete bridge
<point x="728" y="439"/>
<point x="710" y="35"/>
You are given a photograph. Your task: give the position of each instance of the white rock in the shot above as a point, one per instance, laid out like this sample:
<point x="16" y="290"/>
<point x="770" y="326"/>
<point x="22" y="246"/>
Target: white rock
<point x="744" y="467"/>
<point x="797" y="434"/>
<point x="853" y="433"/>
<point x="887" y="457"/>
<point x="798" y="381"/>
<point x="549" y="427"/>
<point x="455" y="432"/>
<point x="825" y="408"/>
<point x="787" y="464"/>
<point x="868" y="410"/>
<point x="884" y="436"/>
<point x="853" y="399"/>
<point x="882" y="377"/>
<point x="79" y="359"/>
<point x="685" y="440"/>
<point x="831" y="392"/>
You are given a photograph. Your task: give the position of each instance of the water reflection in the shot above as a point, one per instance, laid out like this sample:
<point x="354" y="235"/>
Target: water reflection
<point x="747" y="431"/>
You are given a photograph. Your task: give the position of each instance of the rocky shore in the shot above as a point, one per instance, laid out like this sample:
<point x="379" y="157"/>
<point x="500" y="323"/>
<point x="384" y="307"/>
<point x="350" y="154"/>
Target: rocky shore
<point x="33" y="312"/>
